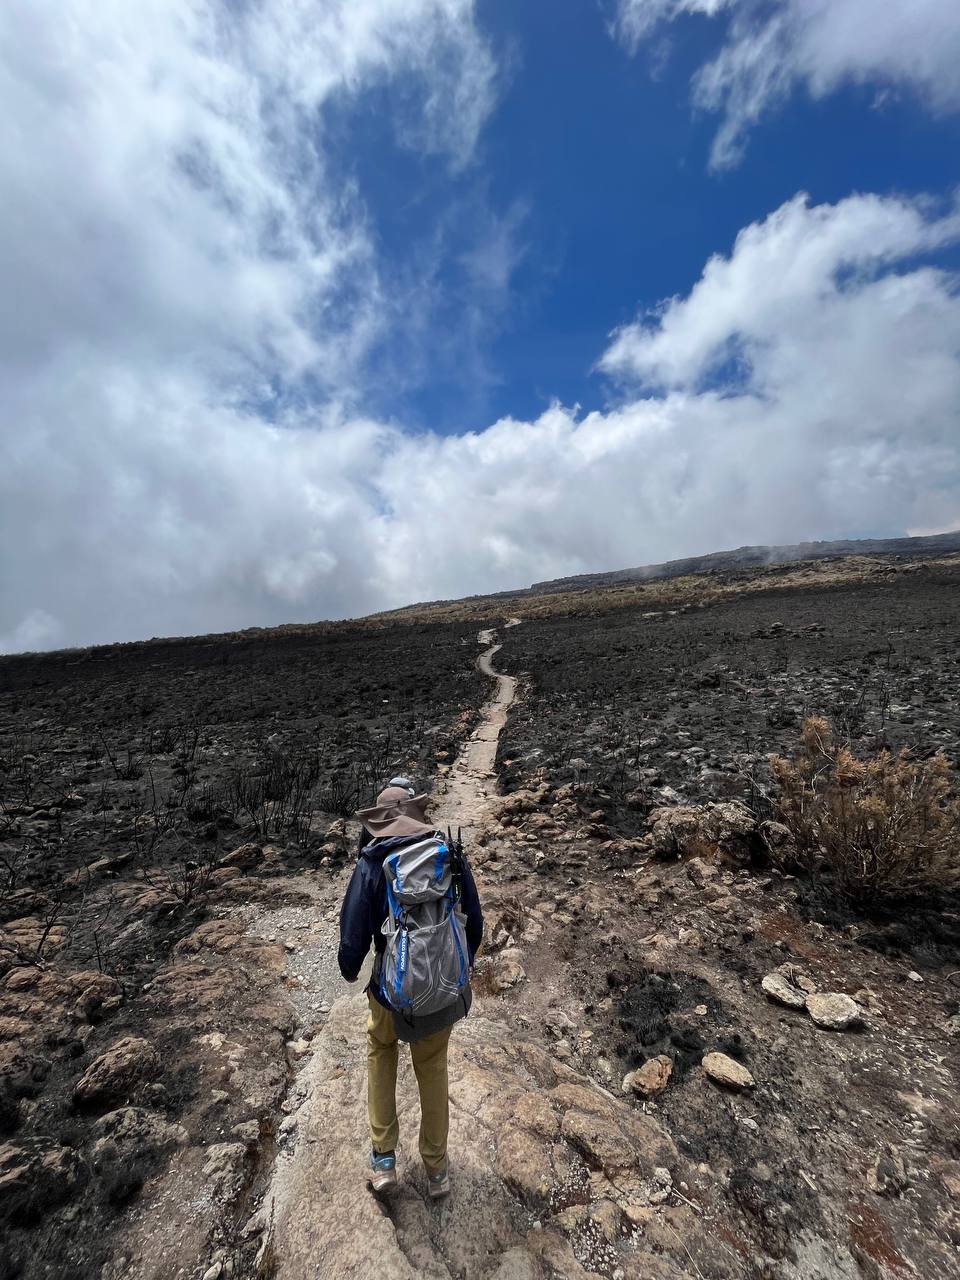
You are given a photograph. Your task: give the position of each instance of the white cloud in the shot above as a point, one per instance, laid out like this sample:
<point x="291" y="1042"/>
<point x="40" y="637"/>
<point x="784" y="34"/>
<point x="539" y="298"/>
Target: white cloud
<point x="771" y="50"/>
<point x="174" y="248"/>
<point x="801" y="266"/>
<point x="164" y="175"/>
<point x="826" y="331"/>
<point x="840" y="418"/>
<point x="36" y="630"/>
<point x="178" y="258"/>
<point x="635" y="19"/>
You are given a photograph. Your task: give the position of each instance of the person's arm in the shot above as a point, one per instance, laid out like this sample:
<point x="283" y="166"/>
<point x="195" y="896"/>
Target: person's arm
<point x="470" y="905"/>
<point x="355" y="932"/>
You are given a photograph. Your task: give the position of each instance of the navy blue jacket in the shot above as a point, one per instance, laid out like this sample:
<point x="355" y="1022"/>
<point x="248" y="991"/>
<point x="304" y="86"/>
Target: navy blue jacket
<point x="365" y="908"/>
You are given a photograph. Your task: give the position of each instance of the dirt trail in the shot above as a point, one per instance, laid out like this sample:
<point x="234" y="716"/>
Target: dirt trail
<point x="471" y="782"/>
<point x="312" y="931"/>
<point x="320" y="1220"/>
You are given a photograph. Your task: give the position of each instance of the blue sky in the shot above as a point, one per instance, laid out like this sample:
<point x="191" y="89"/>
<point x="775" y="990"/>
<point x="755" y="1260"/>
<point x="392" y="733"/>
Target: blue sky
<point x="598" y="167"/>
<point x="319" y="307"/>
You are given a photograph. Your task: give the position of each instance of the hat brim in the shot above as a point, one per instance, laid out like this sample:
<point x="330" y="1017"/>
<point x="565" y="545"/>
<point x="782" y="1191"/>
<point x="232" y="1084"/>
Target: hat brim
<point x="405" y="818"/>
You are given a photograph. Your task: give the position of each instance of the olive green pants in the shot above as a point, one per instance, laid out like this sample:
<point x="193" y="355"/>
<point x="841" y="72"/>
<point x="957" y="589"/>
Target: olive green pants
<point x="429" y="1065"/>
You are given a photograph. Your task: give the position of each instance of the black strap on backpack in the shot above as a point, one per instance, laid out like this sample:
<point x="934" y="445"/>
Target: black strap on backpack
<point x="456" y="862"/>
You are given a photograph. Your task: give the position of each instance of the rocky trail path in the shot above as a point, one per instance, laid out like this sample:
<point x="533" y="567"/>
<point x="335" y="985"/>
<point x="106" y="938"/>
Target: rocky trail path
<point x="554" y="1177"/>
<point x="311" y="930"/>
<point x="471" y="783"/>
<point x="317" y="1217"/>
<point x="559" y="1171"/>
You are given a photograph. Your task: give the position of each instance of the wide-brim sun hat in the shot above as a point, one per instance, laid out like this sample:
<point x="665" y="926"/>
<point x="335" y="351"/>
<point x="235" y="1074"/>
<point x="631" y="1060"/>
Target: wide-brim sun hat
<point x="397" y="813"/>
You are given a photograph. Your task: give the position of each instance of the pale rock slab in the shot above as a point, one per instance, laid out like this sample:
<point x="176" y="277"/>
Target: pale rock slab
<point x="833" y="1010"/>
<point x="727" y="1071"/>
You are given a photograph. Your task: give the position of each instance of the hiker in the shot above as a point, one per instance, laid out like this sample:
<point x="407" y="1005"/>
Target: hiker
<point x="408" y="875"/>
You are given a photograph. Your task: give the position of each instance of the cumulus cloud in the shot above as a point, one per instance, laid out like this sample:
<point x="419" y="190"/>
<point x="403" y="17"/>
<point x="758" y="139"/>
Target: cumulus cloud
<point x="800" y="271"/>
<point x="192" y="305"/>
<point x="166" y="197"/>
<point x="809" y="384"/>
<point x="771" y="50"/>
<point x="182" y="273"/>
<point x="827" y="330"/>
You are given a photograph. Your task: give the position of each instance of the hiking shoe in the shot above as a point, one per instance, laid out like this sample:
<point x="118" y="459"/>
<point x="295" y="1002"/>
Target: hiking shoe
<point x="439" y="1184"/>
<point x="383" y="1171"/>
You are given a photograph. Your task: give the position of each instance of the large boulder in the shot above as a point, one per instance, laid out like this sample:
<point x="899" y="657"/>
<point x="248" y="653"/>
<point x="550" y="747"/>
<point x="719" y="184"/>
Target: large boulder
<point x="681" y="828"/>
<point x="245" y="856"/>
<point x="35" y="1175"/>
<point x="731" y="825"/>
<point x="673" y="829"/>
<point x="116" y="1075"/>
<point x="126" y="1145"/>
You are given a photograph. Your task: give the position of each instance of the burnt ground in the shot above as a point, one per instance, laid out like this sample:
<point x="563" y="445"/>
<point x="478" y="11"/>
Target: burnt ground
<point x="634" y="957"/>
<point x="154" y="796"/>
<point x="130" y="777"/>
<point x="671" y="706"/>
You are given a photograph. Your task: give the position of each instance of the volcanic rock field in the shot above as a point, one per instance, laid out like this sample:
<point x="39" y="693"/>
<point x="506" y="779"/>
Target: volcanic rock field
<point x="685" y="1059"/>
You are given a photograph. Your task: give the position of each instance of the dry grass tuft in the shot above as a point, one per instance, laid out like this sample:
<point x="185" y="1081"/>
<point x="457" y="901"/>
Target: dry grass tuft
<point x="881" y="828"/>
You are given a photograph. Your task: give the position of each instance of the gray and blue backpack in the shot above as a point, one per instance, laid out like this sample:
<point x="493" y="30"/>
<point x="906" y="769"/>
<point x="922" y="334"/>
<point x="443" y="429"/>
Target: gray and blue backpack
<point x="425" y="975"/>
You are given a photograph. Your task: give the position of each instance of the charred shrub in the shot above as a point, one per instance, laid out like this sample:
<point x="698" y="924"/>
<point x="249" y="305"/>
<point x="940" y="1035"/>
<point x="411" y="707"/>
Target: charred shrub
<point x="880" y="828"/>
<point x="654" y="1016"/>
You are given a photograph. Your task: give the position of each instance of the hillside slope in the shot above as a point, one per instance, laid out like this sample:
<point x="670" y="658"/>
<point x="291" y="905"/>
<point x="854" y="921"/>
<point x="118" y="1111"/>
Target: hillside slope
<point x="182" y="1067"/>
<point x="757" y="557"/>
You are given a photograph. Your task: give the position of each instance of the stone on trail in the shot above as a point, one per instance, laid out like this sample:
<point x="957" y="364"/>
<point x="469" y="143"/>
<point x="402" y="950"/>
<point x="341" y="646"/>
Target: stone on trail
<point x="506" y="970"/>
<point x="782" y="985"/>
<point x="833" y="1010"/>
<point x="727" y="1071"/>
<point x="651" y="1078"/>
